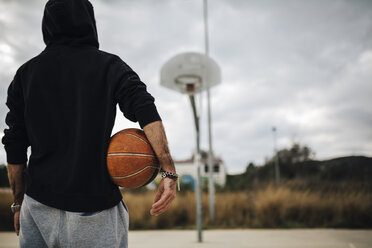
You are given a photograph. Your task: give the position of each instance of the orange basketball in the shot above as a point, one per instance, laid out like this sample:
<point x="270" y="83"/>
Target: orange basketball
<point x="131" y="160"/>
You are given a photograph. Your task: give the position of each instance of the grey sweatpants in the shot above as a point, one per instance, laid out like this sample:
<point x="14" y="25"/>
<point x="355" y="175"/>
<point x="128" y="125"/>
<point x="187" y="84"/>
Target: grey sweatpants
<point x="44" y="226"/>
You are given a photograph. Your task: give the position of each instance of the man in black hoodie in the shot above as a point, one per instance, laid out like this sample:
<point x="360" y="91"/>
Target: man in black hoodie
<point x="62" y="103"/>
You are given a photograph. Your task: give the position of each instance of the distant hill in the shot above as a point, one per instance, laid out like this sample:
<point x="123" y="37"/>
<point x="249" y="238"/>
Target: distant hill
<point x="356" y="168"/>
<point x="353" y="168"/>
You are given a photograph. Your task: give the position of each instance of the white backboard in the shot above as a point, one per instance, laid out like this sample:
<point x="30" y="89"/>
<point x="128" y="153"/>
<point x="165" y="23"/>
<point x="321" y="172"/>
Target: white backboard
<point x="190" y="73"/>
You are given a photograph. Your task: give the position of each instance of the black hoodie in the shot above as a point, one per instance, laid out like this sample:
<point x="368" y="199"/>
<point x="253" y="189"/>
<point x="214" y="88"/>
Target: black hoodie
<point x="63" y="104"/>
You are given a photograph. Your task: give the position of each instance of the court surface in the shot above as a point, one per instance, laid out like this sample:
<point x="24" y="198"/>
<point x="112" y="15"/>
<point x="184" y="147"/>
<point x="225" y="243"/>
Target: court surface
<point x="252" y="238"/>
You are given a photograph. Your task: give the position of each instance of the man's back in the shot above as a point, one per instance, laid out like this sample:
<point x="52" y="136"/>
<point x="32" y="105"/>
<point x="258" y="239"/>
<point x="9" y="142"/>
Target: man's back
<point x="69" y="93"/>
<point x="69" y="114"/>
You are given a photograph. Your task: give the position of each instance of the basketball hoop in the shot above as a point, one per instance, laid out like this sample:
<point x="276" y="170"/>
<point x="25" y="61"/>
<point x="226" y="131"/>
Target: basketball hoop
<point x="190" y="73"/>
<point x="189" y="83"/>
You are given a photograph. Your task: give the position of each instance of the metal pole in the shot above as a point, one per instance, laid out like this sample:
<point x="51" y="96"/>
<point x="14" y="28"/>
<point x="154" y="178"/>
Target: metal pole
<point x="277" y="171"/>
<point x="210" y="154"/>
<point x="206" y="37"/>
<point x="198" y="185"/>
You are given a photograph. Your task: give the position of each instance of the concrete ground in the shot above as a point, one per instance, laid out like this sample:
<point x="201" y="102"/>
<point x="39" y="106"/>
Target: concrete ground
<point x="254" y="238"/>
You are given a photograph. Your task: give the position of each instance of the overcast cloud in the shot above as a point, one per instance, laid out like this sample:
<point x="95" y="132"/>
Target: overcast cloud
<point x="302" y="66"/>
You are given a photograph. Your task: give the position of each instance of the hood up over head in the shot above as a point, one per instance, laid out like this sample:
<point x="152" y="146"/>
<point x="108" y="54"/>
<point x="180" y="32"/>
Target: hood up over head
<point x="69" y="22"/>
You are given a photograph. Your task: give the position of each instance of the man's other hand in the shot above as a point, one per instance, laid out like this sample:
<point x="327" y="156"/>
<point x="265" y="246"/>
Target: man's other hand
<point x="164" y="197"/>
<point x="16" y="222"/>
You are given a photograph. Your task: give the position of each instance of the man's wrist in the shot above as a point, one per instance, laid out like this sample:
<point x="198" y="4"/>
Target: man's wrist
<point x="168" y="174"/>
<point x="15" y="207"/>
<point x="171" y="175"/>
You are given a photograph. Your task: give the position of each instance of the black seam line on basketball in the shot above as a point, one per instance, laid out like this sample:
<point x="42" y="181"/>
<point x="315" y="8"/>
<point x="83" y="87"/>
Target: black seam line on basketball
<point x="135" y="173"/>
<point x="135" y="137"/>
<point x="130" y="154"/>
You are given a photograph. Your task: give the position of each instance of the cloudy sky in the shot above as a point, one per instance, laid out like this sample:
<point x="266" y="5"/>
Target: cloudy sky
<point x="302" y="66"/>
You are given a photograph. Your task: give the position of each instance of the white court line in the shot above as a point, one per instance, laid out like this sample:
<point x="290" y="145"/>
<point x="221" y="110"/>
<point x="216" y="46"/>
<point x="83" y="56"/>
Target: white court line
<point x="133" y="136"/>
<point x="154" y="167"/>
<point x="130" y="154"/>
<point x="351" y="245"/>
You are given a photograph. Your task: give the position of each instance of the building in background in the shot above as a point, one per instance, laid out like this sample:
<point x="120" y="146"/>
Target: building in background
<point x="187" y="171"/>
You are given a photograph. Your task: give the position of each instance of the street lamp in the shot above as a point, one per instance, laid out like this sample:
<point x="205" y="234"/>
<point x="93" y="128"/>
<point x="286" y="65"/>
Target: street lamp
<point x="192" y="73"/>
<point x="277" y="171"/>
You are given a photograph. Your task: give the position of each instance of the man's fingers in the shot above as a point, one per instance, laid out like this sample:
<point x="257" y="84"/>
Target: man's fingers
<point x="159" y="203"/>
<point x="163" y="199"/>
<point x="164" y="196"/>
<point x="166" y="202"/>
<point x="163" y="205"/>
<point x="159" y="192"/>
<point x="157" y="196"/>
<point x="162" y="210"/>
<point x="157" y="209"/>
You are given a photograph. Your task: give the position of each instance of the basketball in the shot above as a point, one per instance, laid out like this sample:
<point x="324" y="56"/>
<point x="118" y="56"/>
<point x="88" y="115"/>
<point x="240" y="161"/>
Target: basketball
<point x="131" y="161"/>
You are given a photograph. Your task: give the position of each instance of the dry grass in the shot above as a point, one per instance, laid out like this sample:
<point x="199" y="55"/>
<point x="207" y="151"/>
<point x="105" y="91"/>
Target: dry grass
<point x="139" y="204"/>
<point x="280" y="207"/>
<point x="6" y="216"/>
<point x="266" y="206"/>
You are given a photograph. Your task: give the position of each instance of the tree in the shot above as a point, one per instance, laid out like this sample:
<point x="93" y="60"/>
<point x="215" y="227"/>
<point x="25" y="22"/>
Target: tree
<point x="295" y="154"/>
